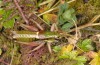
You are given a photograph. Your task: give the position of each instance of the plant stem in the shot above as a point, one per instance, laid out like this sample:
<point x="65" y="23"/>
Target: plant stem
<point x="91" y="23"/>
<point x="54" y="8"/>
<point x="21" y="12"/>
<point x="38" y="25"/>
<point x="48" y="11"/>
<point x="45" y="2"/>
<point x="38" y="47"/>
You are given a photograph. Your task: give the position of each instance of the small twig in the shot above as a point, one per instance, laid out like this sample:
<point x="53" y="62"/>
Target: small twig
<point x="91" y="23"/>
<point x="71" y="1"/>
<point x="48" y="11"/>
<point x="27" y="27"/>
<point x="54" y="8"/>
<point x="21" y="12"/>
<point x="49" y="47"/>
<point x="80" y="27"/>
<point x="76" y="36"/>
<point x="95" y="18"/>
<point x="95" y="24"/>
<point x="28" y="43"/>
<point x="12" y="57"/>
<point x="49" y="5"/>
<point x="55" y="4"/>
<point x="54" y="27"/>
<point x="38" y="47"/>
<point x="84" y="26"/>
<point x="38" y="25"/>
<point x="45" y="2"/>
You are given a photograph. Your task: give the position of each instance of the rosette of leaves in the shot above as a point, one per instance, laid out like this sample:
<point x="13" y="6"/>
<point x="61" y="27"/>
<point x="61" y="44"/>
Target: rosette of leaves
<point x="66" y="17"/>
<point x="85" y="45"/>
<point x="67" y="52"/>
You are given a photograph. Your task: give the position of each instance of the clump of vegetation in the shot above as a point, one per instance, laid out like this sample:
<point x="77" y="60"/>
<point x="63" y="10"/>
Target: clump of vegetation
<point x="49" y="32"/>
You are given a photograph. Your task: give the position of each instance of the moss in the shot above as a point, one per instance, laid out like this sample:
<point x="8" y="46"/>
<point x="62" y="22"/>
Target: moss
<point x="87" y="10"/>
<point x="95" y="3"/>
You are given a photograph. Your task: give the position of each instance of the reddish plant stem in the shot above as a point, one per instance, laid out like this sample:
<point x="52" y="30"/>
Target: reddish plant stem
<point x="38" y="47"/>
<point x="4" y="62"/>
<point x="28" y="43"/>
<point x="38" y="25"/>
<point x="21" y="12"/>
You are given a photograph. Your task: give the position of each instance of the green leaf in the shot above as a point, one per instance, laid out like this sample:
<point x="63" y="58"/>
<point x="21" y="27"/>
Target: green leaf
<point x="67" y="26"/>
<point x="69" y="55"/>
<point x="64" y="55"/>
<point x="6" y="15"/>
<point x="9" y="23"/>
<point x="72" y="54"/>
<point x="62" y="8"/>
<point x="61" y="20"/>
<point x="45" y="17"/>
<point x="81" y="59"/>
<point x="86" y="41"/>
<point x="68" y="14"/>
<point x="1" y="11"/>
<point x="79" y="63"/>
<point x="86" y="45"/>
<point x="66" y="17"/>
<point x="56" y="48"/>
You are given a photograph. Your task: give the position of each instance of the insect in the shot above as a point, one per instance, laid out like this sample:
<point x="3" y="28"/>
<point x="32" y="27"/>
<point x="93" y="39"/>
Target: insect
<point x="25" y="37"/>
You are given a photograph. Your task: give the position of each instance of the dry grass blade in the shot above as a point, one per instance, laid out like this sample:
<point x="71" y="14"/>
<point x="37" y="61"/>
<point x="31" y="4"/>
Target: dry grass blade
<point x="38" y="25"/>
<point x="30" y="28"/>
<point x="98" y="35"/>
<point x="21" y="12"/>
<point x="48" y="11"/>
<point x="28" y="43"/>
<point x="13" y="52"/>
<point x="54" y="8"/>
<point x="54" y="27"/>
<point x="38" y="47"/>
<point x="91" y="23"/>
<point x="71" y="1"/>
<point x="76" y="36"/>
<point x="45" y="2"/>
<point x="95" y="18"/>
<point x="49" y="47"/>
